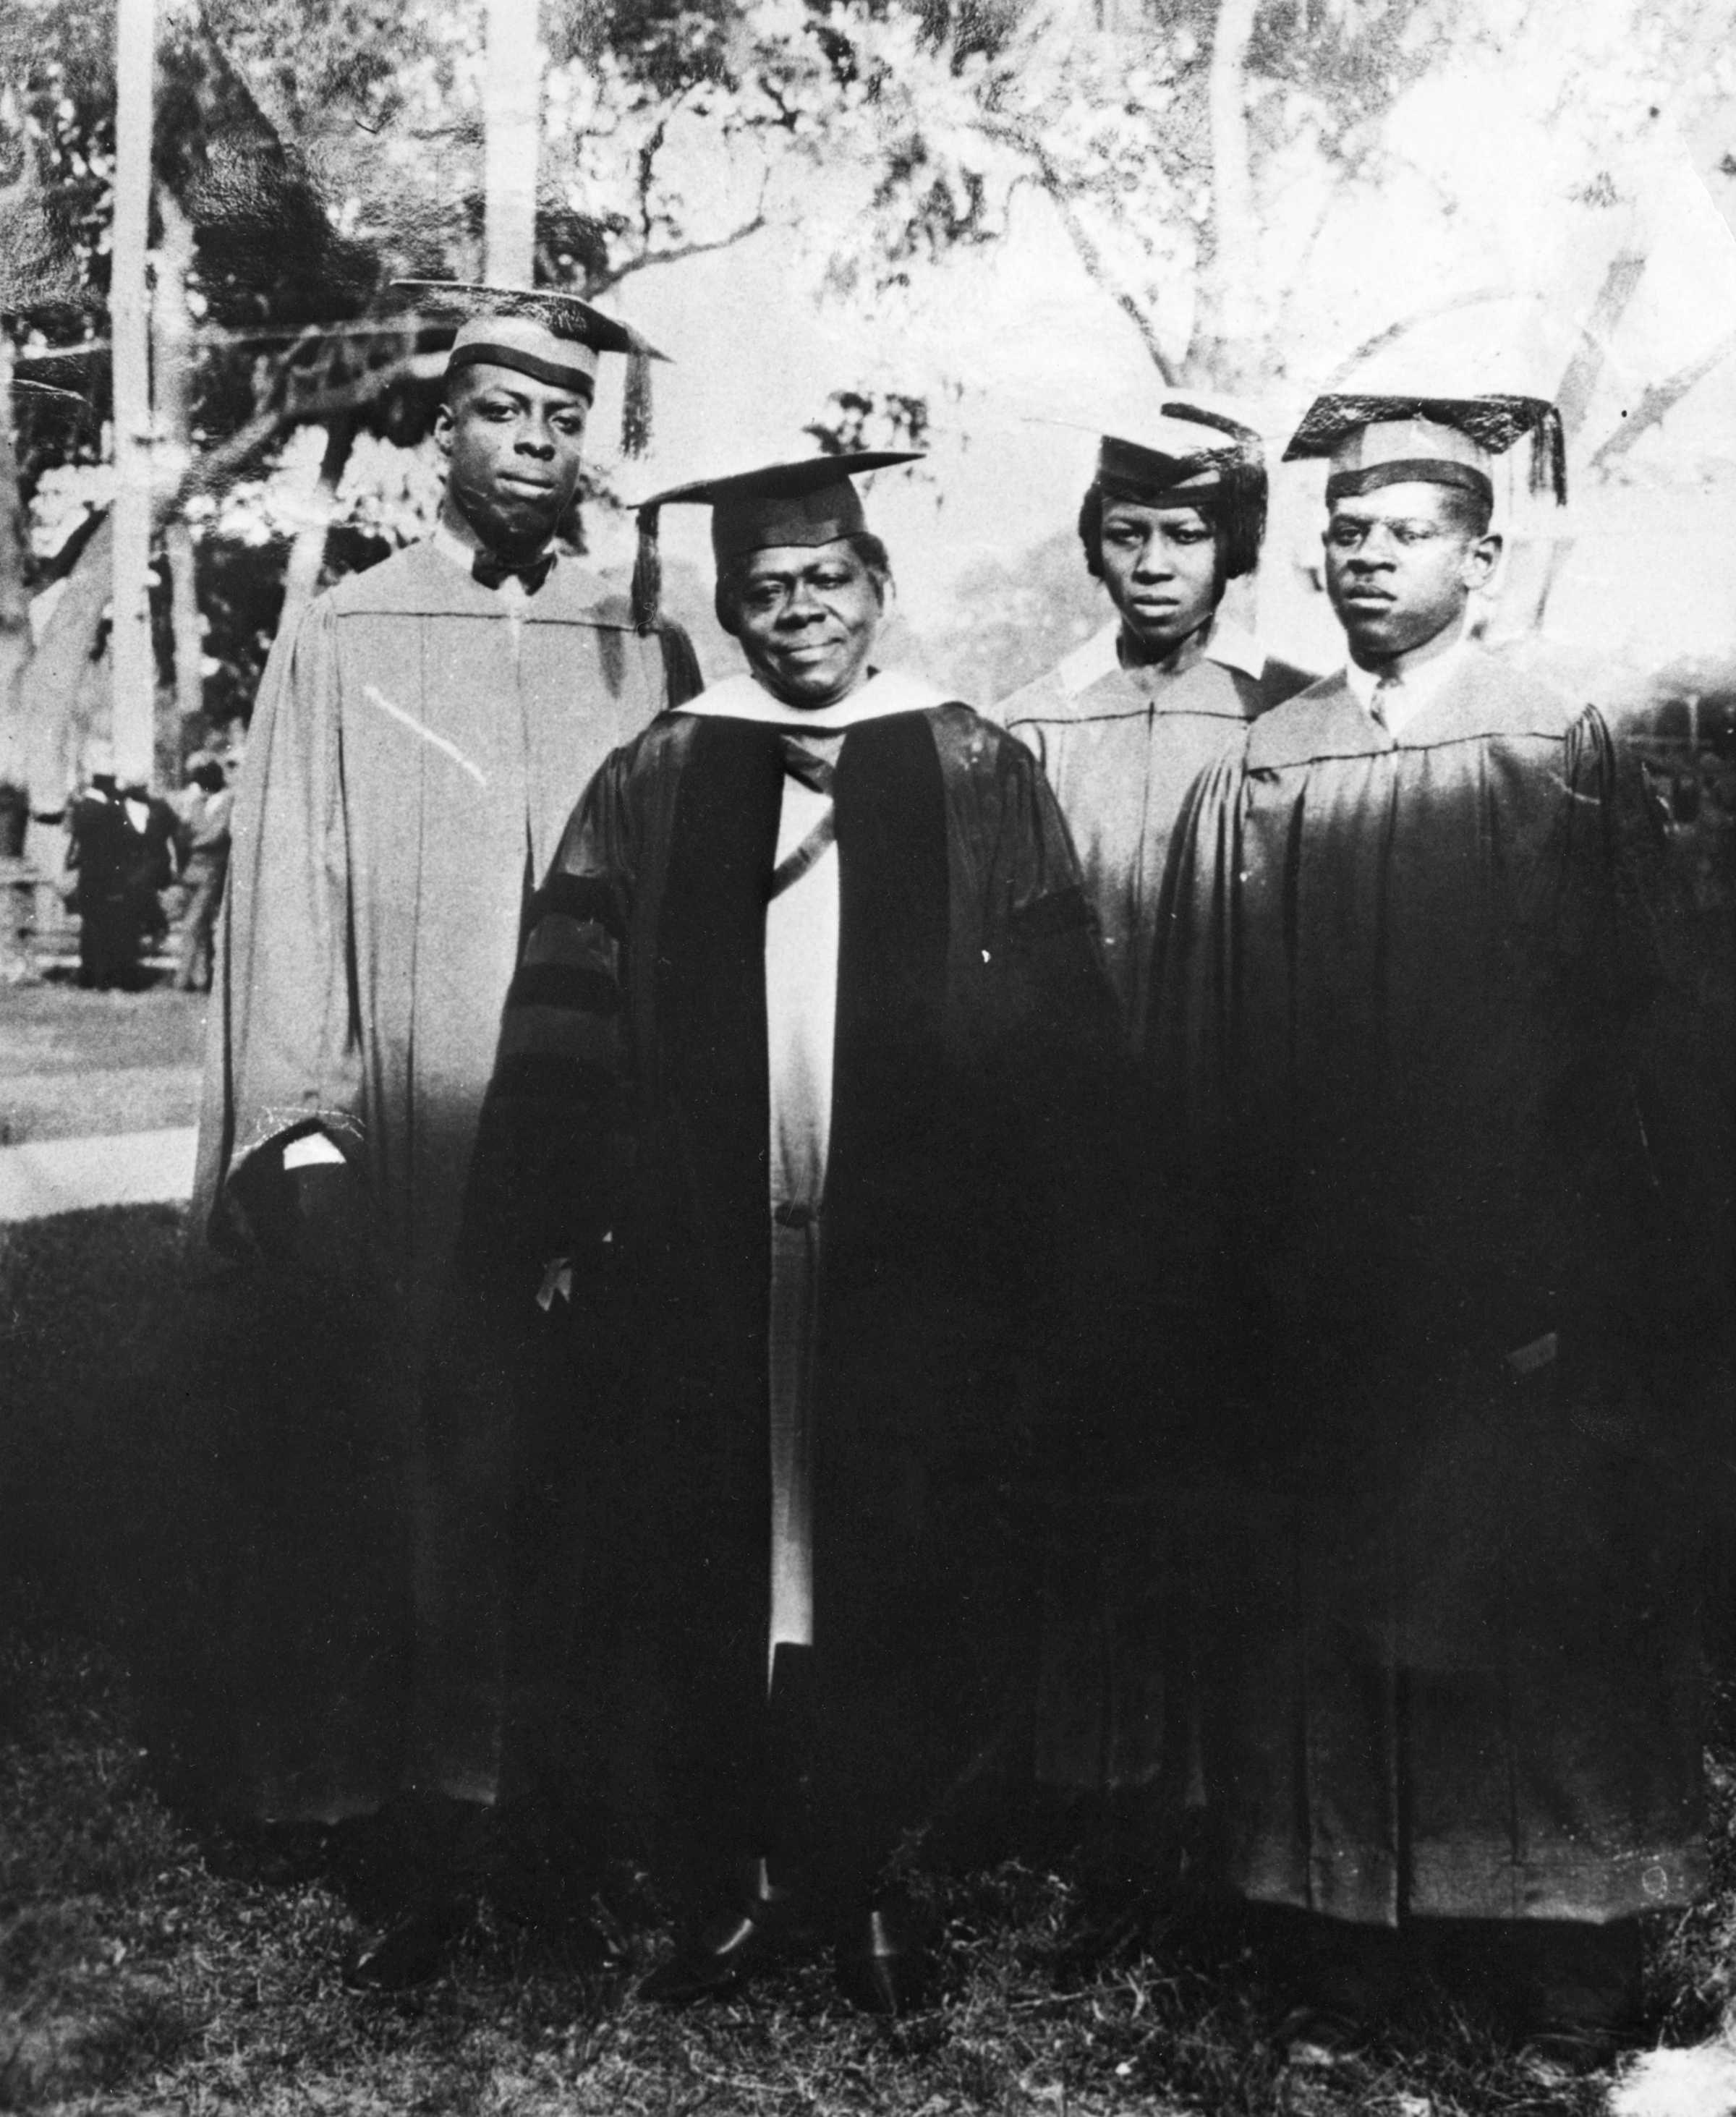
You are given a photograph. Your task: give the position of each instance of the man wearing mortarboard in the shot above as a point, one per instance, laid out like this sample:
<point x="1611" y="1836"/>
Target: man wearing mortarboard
<point x="420" y="736"/>
<point x="1126" y="723"/>
<point x="1417" y="1060"/>
<point x="815" y="957"/>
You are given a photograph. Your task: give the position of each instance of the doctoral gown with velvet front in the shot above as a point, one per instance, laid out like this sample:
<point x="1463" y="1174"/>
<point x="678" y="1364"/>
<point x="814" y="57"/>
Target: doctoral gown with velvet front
<point x="1425" y="1102"/>
<point x="973" y="1028"/>
<point x="413" y="755"/>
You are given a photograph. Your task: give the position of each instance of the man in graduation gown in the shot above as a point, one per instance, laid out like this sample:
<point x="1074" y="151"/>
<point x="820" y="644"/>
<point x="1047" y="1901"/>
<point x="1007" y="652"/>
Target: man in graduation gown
<point x="419" y="739"/>
<point x="1414" y="1061"/>
<point x="814" y="975"/>
<point x="1123" y="726"/>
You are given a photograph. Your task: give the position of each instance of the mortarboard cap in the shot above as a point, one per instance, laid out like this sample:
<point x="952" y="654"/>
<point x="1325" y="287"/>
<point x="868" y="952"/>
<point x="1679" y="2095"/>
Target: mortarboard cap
<point x="1378" y="440"/>
<point x="543" y="332"/>
<point x="808" y="502"/>
<point x="1203" y="457"/>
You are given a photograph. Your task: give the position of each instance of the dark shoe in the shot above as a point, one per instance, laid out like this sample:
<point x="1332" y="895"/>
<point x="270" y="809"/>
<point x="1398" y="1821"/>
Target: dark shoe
<point x="1582" y="1990"/>
<point x="1334" y="2032"/>
<point x="411" y="1950"/>
<point x="1575" y="2052"/>
<point x="738" y="1943"/>
<point x="1344" y="1982"/>
<point x="880" y="1965"/>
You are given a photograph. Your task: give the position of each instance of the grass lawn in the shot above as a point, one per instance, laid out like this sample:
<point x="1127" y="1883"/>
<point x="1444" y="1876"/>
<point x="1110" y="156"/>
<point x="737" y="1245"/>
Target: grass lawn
<point x="75" y="1062"/>
<point x="147" y="1965"/>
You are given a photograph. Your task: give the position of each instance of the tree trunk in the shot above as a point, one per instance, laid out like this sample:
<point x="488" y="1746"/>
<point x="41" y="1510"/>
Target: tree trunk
<point x="55" y="698"/>
<point x="15" y="602"/>
<point x="134" y="660"/>
<point x="307" y="555"/>
<point x="1535" y="557"/>
<point x="1225" y="351"/>
<point x="513" y="112"/>
<point x="171" y="373"/>
<point x="1574" y="392"/>
<point x="15" y="652"/>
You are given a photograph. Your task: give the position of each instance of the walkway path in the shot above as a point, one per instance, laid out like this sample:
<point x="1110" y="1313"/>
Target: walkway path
<point x="46" y="1176"/>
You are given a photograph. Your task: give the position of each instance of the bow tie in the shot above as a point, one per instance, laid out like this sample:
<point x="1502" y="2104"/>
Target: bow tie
<point x="491" y="572"/>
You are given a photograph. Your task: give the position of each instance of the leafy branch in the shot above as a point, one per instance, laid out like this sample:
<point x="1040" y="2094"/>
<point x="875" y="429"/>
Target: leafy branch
<point x="1658" y="398"/>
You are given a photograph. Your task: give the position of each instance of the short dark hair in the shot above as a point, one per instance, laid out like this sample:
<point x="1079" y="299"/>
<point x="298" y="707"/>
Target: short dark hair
<point x="1470" y="512"/>
<point x="863" y="542"/>
<point x="1236" y="509"/>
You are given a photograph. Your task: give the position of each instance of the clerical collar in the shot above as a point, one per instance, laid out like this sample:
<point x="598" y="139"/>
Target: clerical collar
<point x="887" y="691"/>
<point x="1415" y="691"/>
<point x="464" y="556"/>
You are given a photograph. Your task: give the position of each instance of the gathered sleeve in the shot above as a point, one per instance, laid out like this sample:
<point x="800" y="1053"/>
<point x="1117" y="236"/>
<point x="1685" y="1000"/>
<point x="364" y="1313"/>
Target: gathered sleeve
<point x="1054" y="1001"/>
<point x="554" y="1149"/>
<point x="282" y="1053"/>
<point x="1194" y="968"/>
<point x="1181" y="1106"/>
<point x="1669" y="1280"/>
<point x="1059" y="1231"/>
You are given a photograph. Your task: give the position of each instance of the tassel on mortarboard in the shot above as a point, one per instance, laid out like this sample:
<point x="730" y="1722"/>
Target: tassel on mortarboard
<point x="1549" y="456"/>
<point x="635" y="408"/>
<point x="648" y="572"/>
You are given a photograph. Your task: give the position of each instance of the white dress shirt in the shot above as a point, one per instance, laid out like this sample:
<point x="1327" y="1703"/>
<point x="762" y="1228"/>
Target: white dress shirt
<point x="1401" y="699"/>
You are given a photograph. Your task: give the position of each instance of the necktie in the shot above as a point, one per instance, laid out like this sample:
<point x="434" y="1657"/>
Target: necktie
<point x="1386" y="696"/>
<point x="490" y="572"/>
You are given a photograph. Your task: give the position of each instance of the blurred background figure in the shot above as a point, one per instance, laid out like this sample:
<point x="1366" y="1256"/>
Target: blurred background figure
<point x="204" y="816"/>
<point x="120" y="855"/>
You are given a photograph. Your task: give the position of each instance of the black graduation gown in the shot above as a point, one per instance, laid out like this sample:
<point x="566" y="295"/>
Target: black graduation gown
<point x="973" y="1025"/>
<point x="1427" y="1174"/>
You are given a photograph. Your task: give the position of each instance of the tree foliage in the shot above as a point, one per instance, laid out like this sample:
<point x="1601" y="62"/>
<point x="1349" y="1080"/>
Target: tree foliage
<point x="1197" y="153"/>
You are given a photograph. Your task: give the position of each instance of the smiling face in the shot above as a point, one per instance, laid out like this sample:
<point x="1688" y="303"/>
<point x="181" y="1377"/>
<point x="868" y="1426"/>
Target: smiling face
<point x="513" y="448"/>
<point x="805" y="615"/>
<point x="1400" y="565"/>
<point x="1160" y="566"/>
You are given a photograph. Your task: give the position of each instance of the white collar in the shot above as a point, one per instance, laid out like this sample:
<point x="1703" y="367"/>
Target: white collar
<point x="1100" y="655"/>
<point x="452" y="547"/>
<point x="1416" y="690"/>
<point x="1235" y="649"/>
<point x="887" y="691"/>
